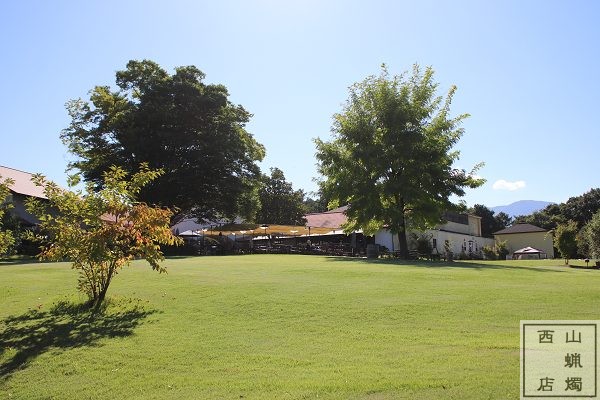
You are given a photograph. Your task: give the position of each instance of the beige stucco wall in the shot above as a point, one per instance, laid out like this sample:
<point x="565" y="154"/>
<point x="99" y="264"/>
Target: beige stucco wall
<point x="474" y="225"/>
<point x="459" y="237"/>
<point x="473" y="228"/>
<point x="456" y="227"/>
<point x="456" y="241"/>
<point x="539" y="240"/>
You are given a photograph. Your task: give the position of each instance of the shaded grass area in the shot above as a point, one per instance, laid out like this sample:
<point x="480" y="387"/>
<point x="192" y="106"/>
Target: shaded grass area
<point x="283" y="326"/>
<point x="65" y="325"/>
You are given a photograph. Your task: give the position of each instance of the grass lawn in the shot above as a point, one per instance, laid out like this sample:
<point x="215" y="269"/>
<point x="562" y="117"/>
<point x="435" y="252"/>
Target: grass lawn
<point x="282" y="327"/>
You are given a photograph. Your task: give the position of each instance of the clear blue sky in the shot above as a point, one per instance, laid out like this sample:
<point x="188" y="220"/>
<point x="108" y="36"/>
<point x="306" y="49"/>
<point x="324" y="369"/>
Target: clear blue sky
<point x="526" y="71"/>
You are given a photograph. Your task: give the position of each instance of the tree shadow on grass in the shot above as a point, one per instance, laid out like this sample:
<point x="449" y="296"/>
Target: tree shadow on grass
<point x="19" y="261"/>
<point x="445" y="264"/>
<point x="66" y="325"/>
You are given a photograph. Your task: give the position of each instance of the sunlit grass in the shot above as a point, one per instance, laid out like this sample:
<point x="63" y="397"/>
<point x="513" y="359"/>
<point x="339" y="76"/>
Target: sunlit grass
<point x="282" y="326"/>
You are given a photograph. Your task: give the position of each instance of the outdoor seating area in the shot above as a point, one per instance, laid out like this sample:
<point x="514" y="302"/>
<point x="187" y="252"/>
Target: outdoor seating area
<point x="324" y="248"/>
<point x="226" y="242"/>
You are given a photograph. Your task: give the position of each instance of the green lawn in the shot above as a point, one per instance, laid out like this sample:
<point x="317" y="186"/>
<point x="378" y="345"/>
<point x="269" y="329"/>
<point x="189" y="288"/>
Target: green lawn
<point x="282" y="327"/>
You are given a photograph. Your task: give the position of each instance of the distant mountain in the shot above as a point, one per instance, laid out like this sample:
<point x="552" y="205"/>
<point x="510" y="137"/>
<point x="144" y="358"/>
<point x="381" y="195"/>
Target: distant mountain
<point x="521" y="207"/>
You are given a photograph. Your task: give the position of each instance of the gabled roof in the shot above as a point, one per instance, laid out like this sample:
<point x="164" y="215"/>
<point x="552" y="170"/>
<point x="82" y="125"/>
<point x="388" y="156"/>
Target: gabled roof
<point x="22" y="182"/>
<point x="337" y="217"/>
<point x="24" y="186"/>
<point x="520" y="228"/>
<point x="329" y="219"/>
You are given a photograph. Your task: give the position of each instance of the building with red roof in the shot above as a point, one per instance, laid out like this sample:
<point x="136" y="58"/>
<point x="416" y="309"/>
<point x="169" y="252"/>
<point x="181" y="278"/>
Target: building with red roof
<point x="329" y="219"/>
<point x="460" y="233"/>
<point x="20" y="189"/>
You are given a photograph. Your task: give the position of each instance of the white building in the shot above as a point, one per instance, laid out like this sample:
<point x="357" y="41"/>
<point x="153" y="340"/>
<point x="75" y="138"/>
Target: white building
<point x="460" y="234"/>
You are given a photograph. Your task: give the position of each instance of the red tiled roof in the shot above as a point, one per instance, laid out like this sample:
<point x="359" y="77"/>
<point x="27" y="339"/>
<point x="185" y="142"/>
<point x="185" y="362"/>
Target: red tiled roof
<point x="520" y="228"/>
<point x="329" y="219"/>
<point x="23" y="185"/>
<point x="22" y="182"/>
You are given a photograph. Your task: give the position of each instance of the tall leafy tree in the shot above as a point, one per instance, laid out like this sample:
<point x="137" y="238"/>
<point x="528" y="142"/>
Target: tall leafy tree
<point x="548" y="218"/>
<point x="565" y="239"/>
<point x="315" y="203"/>
<point x="391" y="157"/>
<point x="503" y="220"/>
<point x="592" y="235"/>
<point x="490" y="222"/>
<point x="280" y="203"/>
<point x="176" y="123"/>
<point x="582" y="208"/>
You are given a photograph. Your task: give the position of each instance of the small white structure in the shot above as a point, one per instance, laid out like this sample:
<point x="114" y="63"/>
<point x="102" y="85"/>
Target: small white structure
<point x="529" y="253"/>
<point x="189" y="234"/>
<point x="192" y="224"/>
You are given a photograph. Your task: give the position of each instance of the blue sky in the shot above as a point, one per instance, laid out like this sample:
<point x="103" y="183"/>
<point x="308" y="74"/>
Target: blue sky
<point x="526" y="71"/>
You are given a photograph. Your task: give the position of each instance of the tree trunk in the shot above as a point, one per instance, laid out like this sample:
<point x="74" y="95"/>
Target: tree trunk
<point x="100" y="299"/>
<point x="401" y="229"/>
<point x="403" y="243"/>
<point x="104" y="288"/>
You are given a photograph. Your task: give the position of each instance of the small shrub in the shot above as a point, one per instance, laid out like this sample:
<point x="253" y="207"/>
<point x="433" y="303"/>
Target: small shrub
<point x="489" y="253"/>
<point x="422" y="243"/>
<point x="102" y="231"/>
<point x="502" y="250"/>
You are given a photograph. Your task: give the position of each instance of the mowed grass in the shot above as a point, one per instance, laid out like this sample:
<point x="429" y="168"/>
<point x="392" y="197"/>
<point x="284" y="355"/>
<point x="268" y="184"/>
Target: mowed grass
<point x="282" y="327"/>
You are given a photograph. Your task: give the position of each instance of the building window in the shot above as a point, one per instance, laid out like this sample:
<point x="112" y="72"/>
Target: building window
<point x="464" y="245"/>
<point x="434" y="243"/>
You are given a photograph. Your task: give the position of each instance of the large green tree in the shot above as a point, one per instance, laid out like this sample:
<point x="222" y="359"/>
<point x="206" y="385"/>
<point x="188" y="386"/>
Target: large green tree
<point x="490" y="221"/>
<point x="316" y="202"/>
<point x="280" y="203"/>
<point x="548" y="218"/>
<point x="565" y="239"/>
<point x="582" y="208"/>
<point x="391" y="158"/>
<point x="592" y="235"/>
<point x="176" y="123"/>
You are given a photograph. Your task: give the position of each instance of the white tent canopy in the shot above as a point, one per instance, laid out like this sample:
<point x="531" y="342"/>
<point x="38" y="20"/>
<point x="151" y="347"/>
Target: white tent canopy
<point x="189" y="233"/>
<point x="528" y="253"/>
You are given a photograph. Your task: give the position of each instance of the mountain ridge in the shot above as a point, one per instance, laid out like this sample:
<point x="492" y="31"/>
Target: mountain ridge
<point x="522" y="207"/>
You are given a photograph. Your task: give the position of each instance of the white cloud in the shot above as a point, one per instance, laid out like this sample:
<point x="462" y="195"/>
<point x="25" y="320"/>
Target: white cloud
<point x="506" y="185"/>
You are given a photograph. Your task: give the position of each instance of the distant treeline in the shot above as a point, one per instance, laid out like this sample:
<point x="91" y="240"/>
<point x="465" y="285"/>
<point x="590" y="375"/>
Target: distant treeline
<point x="579" y="209"/>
